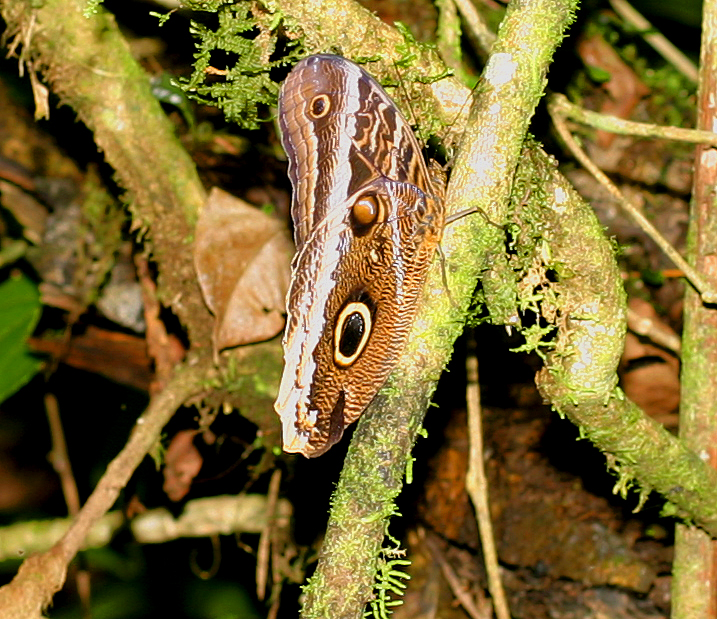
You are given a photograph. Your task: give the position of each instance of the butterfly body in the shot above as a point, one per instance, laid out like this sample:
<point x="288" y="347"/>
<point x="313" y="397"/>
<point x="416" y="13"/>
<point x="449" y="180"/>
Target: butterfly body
<point x="366" y="224"/>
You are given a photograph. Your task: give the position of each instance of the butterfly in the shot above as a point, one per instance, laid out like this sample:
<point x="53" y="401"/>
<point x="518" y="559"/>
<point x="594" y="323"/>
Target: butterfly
<point x="367" y="222"/>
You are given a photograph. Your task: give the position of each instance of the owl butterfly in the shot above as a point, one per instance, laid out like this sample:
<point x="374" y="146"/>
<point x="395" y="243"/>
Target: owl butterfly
<point x="366" y="224"/>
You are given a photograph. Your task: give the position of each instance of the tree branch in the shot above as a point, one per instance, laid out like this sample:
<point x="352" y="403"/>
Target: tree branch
<point x="579" y="378"/>
<point x="88" y="65"/>
<point x="42" y="575"/>
<point x="694" y="584"/>
<point x="513" y="83"/>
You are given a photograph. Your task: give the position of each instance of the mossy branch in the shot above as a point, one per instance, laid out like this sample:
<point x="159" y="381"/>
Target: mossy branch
<point x="87" y="63"/>
<point x="580" y="378"/>
<point x="43" y="574"/>
<point x="693" y="568"/>
<point x="372" y="476"/>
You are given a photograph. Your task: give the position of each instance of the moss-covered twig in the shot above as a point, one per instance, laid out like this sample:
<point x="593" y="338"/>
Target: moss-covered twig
<point x="561" y="105"/>
<point x="580" y="374"/>
<point x="87" y="63"/>
<point x="694" y="584"/>
<point x="512" y="86"/>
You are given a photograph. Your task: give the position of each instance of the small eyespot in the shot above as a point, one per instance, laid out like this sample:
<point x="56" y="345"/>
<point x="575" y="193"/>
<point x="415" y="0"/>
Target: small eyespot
<point x="365" y="210"/>
<point x="319" y="106"/>
<point x="353" y="327"/>
<point x="421" y="208"/>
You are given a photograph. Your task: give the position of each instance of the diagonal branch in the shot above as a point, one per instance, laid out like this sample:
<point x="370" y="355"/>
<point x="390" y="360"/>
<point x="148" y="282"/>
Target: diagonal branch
<point x="88" y="65"/>
<point x="513" y="83"/>
<point x="42" y="575"/>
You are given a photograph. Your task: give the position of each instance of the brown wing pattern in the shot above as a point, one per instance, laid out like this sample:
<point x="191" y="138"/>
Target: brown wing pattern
<point x="366" y="224"/>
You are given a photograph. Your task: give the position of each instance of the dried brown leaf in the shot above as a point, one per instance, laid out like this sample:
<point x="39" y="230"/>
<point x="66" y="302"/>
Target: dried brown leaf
<point x="650" y="375"/>
<point x="182" y="463"/>
<point x="242" y="258"/>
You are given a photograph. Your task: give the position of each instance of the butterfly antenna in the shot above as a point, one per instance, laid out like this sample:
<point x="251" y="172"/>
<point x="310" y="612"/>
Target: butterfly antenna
<point x="409" y="104"/>
<point x="470" y="211"/>
<point x="459" y="114"/>
<point x="444" y="274"/>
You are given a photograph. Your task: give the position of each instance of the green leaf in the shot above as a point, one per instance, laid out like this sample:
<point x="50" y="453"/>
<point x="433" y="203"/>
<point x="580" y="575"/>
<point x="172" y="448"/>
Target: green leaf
<point x="19" y="313"/>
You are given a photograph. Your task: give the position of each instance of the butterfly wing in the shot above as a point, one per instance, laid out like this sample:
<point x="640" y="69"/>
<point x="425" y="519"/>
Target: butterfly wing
<point x="366" y="225"/>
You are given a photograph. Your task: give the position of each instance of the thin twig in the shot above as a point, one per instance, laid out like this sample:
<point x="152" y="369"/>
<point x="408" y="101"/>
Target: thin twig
<point x="448" y="35"/>
<point x="477" y="486"/>
<point x="60" y="460"/>
<point x="656" y="39"/>
<point x="58" y="456"/>
<point x="278" y="550"/>
<point x="613" y="124"/>
<point x="162" y="347"/>
<point x="274" y="609"/>
<point x="643" y="325"/>
<point x="477" y="28"/>
<point x="83" y="581"/>
<point x="701" y="285"/>
<point x="459" y="590"/>
<point x="262" y="555"/>
<point x="210" y="573"/>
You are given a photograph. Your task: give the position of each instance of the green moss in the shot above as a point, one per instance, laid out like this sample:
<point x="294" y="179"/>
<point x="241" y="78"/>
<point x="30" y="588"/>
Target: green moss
<point x="239" y="57"/>
<point x="261" y="377"/>
<point x="389" y="580"/>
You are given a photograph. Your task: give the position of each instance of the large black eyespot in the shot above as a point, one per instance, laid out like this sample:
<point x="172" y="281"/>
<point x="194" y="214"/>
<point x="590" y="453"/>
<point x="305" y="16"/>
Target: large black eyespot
<point x="319" y="106"/>
<point x="353" y="327"/>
